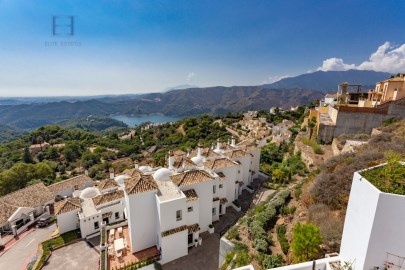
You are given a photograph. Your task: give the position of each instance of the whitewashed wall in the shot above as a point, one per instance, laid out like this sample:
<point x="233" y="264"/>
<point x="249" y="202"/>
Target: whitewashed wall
<point x="68" y="221"/>
<point x="174" y="246"/>
<point x="142" y="220"/>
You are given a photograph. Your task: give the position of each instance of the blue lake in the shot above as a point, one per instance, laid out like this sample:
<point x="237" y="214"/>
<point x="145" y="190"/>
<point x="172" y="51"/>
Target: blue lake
<point x="137" y="120"/>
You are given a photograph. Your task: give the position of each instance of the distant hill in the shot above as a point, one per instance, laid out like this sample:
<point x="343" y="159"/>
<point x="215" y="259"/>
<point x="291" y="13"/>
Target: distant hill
<point x="93" y="123"/>
<point x="328" y="81"/>
<point x="8" y="133"/>
<point x="185" y="102"/>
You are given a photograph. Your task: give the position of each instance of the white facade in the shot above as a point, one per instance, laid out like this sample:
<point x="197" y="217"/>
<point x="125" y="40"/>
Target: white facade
<point x="142" y="220"/>
<point x="68" y="221"/>
<point x="159" y="212"/>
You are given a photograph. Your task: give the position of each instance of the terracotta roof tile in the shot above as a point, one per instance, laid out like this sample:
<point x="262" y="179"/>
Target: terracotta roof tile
<point x="219" y="163"/>
<point x="191" y="195"/>
<point x="67" y="205"/>
<point x="106" y="184"/>
<point x="206" y="152"/>
<point x="61" y="186"/>
<point x="6" y="210"/>
<point x="190" y="177"/>
<point x="108" y="197"/>
<point x="236" y="153"/>
<point x="179" y="153"/>
<point x="183" y="162"/>
<point x="174" y="231"/>
<point x="193" y="228"/>
<point x="31" y="196"/>
<point x="140" y="183"/>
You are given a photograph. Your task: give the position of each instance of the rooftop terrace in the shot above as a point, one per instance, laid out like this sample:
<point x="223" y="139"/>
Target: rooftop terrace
<point x="389" y="178"/>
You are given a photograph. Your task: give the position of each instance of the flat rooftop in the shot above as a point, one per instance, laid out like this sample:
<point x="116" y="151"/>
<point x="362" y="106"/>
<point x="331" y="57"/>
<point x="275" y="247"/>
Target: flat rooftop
<point x="388" y="178"/>
<point x="168" y="191"/>
<point x="88" y="208"/>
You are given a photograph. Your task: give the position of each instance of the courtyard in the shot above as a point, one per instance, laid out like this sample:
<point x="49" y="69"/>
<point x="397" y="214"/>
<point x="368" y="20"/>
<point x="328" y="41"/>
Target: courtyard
<point x="79" y="255"/>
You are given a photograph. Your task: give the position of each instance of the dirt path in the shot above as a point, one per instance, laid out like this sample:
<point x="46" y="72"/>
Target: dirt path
<point x="180" y="130"/>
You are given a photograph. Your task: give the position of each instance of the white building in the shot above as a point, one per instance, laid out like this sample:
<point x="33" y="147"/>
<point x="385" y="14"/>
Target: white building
<point x="21" y="208"/>
<point x="89" y="207"/>
<point x="170" y="207"/>
<point x="374" y="232"/>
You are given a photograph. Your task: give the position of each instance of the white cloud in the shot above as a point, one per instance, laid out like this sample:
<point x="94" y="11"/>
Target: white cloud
<point x="272" y="79"/>
<point x="386" y="58"/>
<point x="335" y="64"/>
<point x="190" y="76"/>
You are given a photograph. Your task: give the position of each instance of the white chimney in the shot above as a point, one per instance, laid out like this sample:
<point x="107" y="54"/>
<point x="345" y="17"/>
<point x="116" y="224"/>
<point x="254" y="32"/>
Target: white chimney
<point x="171" y="160"/>
<point x="112" y="175"/>
<point x="86" y="172"/>
<point x="199" y="150"/>
<point x="233" y="141"/>
<point x="219" y="144"/>
<point x="136" y="164"/>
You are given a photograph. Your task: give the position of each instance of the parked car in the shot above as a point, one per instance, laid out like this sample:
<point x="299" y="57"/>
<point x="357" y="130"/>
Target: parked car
<point x="44" y="220"/>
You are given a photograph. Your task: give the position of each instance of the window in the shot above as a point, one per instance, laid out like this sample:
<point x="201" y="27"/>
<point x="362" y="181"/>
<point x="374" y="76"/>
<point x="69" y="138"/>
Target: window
<point x="117" y="215"/>
<point x="220" y="185"/>
<point x="178" y="215"/>
<point x="190" y="209"/>
<point x="238" y="171"/>
<point x="214" y="188"/>
<point x="214" y="211"/>
<point x="96" y="225"/>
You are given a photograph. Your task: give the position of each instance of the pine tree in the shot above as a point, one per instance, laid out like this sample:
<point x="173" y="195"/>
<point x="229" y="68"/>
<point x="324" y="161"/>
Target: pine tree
<point x="306" y="241"/>
<point x="27" y="158"/>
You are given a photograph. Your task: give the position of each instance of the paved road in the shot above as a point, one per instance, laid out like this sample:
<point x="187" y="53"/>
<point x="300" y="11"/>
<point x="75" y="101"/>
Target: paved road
<point x="21" y="252"/>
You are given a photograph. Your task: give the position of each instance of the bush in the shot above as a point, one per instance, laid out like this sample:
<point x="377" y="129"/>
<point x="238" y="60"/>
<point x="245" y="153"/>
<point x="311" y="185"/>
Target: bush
<point x="281" y="231"/>
<point x="261" y="245"/>
<point x="272" y="261"/>
<point x="157" y="266"/>
<point x="232" y="234"/>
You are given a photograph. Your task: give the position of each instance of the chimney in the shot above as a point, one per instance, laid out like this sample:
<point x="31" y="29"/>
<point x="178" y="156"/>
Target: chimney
<point x="219" y="144"/>
<point x="86" y="172"/>
<point x="112" y="175"/>
<point x="199" y="150"/>
<point x="136" y="164"/>
<point x="233" y="141"/>
<point x="171" y="160"/>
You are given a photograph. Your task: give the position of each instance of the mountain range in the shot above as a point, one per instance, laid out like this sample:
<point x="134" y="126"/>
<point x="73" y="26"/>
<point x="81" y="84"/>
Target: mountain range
<point x="285" y="93"/>
<point x="327" y="81"/>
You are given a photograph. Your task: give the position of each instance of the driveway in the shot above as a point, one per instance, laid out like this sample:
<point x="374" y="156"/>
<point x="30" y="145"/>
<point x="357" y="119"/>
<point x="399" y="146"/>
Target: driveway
<point x="204" y="257"/>
<point x="75" y="256"/>
<point x="18" y="256"/>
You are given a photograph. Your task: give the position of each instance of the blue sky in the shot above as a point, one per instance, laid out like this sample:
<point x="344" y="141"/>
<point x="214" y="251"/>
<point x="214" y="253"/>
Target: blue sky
<point x="146" y="46"/>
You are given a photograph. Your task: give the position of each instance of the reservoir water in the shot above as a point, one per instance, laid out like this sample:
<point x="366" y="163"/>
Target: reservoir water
<point x="137" y="120"/>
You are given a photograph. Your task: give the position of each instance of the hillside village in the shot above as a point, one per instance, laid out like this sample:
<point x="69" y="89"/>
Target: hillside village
<point x="230" y="192"/>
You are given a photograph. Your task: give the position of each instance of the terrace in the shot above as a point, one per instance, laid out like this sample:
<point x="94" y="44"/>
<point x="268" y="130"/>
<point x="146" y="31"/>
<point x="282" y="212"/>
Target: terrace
<point x="388" y="178"/>
<point x="119" y="250"/>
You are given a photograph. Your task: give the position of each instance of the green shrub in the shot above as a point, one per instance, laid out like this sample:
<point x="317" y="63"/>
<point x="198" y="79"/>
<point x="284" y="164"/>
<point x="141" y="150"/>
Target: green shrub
<point x="281" y="231"/>
<point x="261" y="245"/>
<point x="233" y="233"/>
<point x="272" y="261"/>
